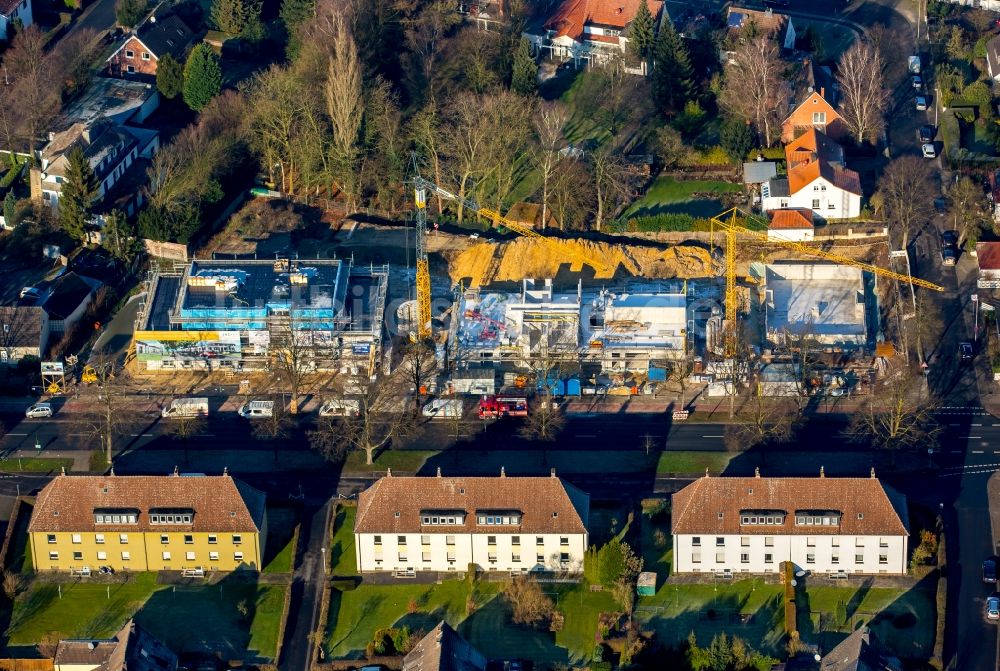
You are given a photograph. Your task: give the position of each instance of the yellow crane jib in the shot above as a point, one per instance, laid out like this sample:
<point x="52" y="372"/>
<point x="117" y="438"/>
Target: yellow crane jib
<point x="423" y="267"/>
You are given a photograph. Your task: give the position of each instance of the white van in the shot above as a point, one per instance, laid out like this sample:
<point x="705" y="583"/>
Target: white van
<point x="347" y="407"/>
<point x="254" y="409"/>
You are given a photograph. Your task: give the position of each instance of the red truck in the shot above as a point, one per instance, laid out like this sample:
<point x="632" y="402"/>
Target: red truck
<point x="503" y="405"/>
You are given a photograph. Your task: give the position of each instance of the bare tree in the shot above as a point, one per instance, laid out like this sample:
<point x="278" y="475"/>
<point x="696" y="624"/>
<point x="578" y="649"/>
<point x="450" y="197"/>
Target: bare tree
<point x="528" y="603"/>
<point x="297" y="351"/>
<point x="968" y="209"/>
<point x="761" y="420"/>
<point x="34" y="78"/>
<point x="545" y="421"/>
<point x="906" y="193"/>
<point x="425" y="37"/>
<point x="110" y="415"/>
<point x="681" y="371"/>
<point x="466" y="141"/>
<point x="17" y="330"/>
<point x="344" y="105"/>
<point x="865" y="99"/>
<point x="11" y="584"/>
<point x="755" y="87"/>
<point x="381" y="418"/>
<point x="571" y="197"/>
<point x="419" y="365"/>
<point x="610" y="184"/>
<point x="894" y="417"/>
<point x="549" y="120"/>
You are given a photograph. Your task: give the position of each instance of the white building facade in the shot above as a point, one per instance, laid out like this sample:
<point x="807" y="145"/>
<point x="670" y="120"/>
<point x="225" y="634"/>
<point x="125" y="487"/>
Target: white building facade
<point x="412" y="524"/>
<point x="823" y="525"/>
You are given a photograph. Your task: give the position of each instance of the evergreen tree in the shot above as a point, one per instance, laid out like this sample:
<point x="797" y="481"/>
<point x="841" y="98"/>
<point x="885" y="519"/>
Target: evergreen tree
<point x="524" y="78"/>
<point x="10" y="209"/>
<point x="294" y="13"/>
<point x="169" y="77"/>
<point x="80" y="188"/>
<point x="671" y="71"/>
<point x="235" y="16"/>
<point x="640" y="33"/>
<point x="736" y="138"/>
<point x="202" y="77"/>
<point x="130" y="12"/>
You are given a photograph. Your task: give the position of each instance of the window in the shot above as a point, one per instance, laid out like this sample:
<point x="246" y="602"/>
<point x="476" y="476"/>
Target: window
<point x="815" y="187"/>
<point x="859" y="558"/>
<point x="883" y="542"/>
<point x="52" y="538"/>
<point x="123" y="539"/>
<point x="835" y="542"/>
<point x="77" y="539"/>
<point x="492" y="556"/>
<point x="810" y="558"/>
<point x="744" y="541"/>
<point x="449" y="540"/>
<point x="769" y="541"/>
<point x="212" y="539"/>
<point x="539" y="559"/>
<point x="516" y="558"/>
<point x="859" y="542"/>
<point x="815" y="204"/>
<point x="188" y="539"/>
<point x="539" y="540"/>
<point x="810" y="541"/>
<point x="425" y="540"/>
<point x="563" y="557"/>
<point x="126" y="556"/>
<point x="831" y="206"/>
<point x="744" y="557"/>
<point x="819" y="117"/>
<point x="164" y="539"/>
<point x="130" y="68"/>
<point x="720" y="541"/>
<point x="783" y="204"/>
<point x="822" y="187"/>
<point x="564" y="541"/>
<point x="696" y="557"/>
<point x="696" y="541"/>
<point x="401" y="556"/>
<point x="883" y="559"/>
<point x="189" y="556"/>
<point x="720" y="557"/>
<point x="166" y="556"/>
<point x="237" y="556"/>
<point x="129" y="53"/>
<point x="53" y="556"/>
<point x="401" y="540"/>
<point x="835" y="559"/>
<point x="237" y="539"/>
<point x="491" y="540"/>
<point x="213" y="556"/>
<point x="145" y="55"/>
<point x="378" y="539"/>
<point x="768" y="558"/>
<point x="515" y="540"/>
<point x="426" y="556"/>
<point x="77" y="556"/>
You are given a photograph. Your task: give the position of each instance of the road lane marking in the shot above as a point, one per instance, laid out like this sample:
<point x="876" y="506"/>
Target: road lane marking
<point x="977" y="451"/>
<point x="17" y="434"/>
<point x="712" y="436"/>
<point x="975" y="425"/>
<point x="143" y="435"/>
<point x="974" y="437"/>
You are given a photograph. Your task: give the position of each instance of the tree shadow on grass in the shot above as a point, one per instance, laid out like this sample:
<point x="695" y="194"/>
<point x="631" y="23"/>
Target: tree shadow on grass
<point x="491" y="632"/>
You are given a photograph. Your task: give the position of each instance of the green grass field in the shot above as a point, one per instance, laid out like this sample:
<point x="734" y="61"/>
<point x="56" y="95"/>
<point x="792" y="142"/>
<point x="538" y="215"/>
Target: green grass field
<point x="693" y="462"/>
<point x="282" y="536"/>
<point x="404" y="461"/>
<point x="356" y="614"/>
<point x="35" y="465"/>
<point x="186" y="618"/>
<point x="668" y="195"/>
<point x="342" y="560"/>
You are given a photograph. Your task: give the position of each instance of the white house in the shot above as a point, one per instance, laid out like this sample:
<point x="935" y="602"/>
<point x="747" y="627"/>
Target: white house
<point x="790" y="225"/>
<point x="411" y="524"/>
<point x="823" y="525"/>
<point x="14" y="14"/>
<point x="817" y="180"/>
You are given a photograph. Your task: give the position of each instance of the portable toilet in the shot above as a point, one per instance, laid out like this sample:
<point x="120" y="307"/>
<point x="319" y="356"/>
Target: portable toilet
<point x="573" y="386"/>
<point x="646" y="585"/>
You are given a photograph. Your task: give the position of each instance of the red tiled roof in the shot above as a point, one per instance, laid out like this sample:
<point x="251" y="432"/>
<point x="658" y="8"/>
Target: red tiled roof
<point x="713" y="505"/>
<point x="813" y="155"/>
<point x="571" y="16"/>
<point x="790" y="219"/>
<point x="766" y="21"/>
<point x="988" y="255"/>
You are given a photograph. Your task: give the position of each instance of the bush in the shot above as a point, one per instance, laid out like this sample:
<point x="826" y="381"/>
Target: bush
<point x="653" y="507"/>
<point x="713" y="156"/>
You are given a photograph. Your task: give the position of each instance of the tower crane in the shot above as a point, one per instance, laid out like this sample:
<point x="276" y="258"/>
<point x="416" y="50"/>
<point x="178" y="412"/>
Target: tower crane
<point x="729" y="220"/>
<point x="421" y="187"/>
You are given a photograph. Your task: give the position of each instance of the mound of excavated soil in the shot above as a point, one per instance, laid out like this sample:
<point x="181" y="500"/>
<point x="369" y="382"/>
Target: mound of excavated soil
<point x="487" y="262"/>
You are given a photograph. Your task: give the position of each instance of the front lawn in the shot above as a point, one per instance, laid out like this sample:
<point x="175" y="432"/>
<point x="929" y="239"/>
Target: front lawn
<point x="670" y="196"/>
<point x="35" y="465"/>
<point x="342" y="559"/>
<point x="690" y="462"/>
<point x="282" y="537"/>
<point x="404" y="461"/>
<point x="185" y="617"/>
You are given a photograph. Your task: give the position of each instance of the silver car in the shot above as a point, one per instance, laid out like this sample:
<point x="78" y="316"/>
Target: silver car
<point x="38" y="410"/>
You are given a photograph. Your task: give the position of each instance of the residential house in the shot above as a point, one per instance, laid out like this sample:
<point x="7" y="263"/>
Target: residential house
<point x="110" y="150"/>
<point x="593" y="31"/>
<point x="410" y="524"/>
<point x="824" y="525"/>
<point x="817" y="180"/>
<point x="14" y="15"/>
<point x="988" y="257"/>
<point x="64" y="299"/>
<point x="147" y="523"/>
<point x="860" y="651"/>
<point x="792" y="224"/>
<point x="742" y="20"/>
<point x="993" y="58"/>
<point x="443" y="649"/>
<point x="131" y="649"/>
<point x="816" y="112"/>
<point x="139" y="54"/>
<point x="24" y="331"/>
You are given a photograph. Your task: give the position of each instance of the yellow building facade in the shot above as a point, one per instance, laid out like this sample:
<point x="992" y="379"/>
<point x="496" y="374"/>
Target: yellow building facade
<point x="147" y="523"/>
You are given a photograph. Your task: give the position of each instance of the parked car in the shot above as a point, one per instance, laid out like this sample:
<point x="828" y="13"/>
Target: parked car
<point x="918" y="82"/>
<point x="927" y="132"/>
<point x="929" y="150"/>
<point x="38" y="410"/>
<point x="993" y="607"/>
<point x="990" y="570"/>
<point x="965" y="353"/>
<point x="949" y="239"/>
<point x="923" y="102"/>
<point x="948" y="256"/>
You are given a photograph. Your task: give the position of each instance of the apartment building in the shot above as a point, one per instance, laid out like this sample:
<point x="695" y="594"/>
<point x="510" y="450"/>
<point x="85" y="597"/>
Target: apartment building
<point x="147" y="523"/>
<point x="824" y="525"/>
<point x="517" y="524"/>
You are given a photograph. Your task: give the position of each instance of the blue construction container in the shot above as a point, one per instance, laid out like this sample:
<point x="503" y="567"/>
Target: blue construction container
<point x="553" y="386"/>
<point x="573" y="387"/>
<point x="657" y="373"/>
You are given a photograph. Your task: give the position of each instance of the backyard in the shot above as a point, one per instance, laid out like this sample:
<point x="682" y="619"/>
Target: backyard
<point x="342" y="560"/>
<point x="698" y="198"/>
<point x="235" y="617"/>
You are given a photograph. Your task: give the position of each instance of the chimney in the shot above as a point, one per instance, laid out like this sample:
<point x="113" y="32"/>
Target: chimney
<point x="756" y="472"/>
<point x="388" y="472"/>
<point x="552" y="472"/>
<point x="225" y="470"/>
<point x="822" y="473"/>
<point x="176" y="473"/>
<point x="503" y="473"/>
<point x="706" y="471"/>
<point x="439" y="472"/>
<point x="873" y="472"/>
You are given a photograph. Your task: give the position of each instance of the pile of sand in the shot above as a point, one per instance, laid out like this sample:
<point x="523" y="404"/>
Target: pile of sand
<point x="487" y="262"/>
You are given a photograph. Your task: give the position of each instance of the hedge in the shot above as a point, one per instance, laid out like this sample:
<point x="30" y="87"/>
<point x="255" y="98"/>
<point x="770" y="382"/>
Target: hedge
<point x="678" y="222"/>
<point x="10" y="176"/>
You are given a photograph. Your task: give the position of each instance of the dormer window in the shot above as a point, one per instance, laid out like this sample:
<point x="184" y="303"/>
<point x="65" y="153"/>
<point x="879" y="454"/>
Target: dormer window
<point x="442" y="517"/>
<point x="171" y="516"/>
<point x="817" y="518"/>
<point x="115" y="516"/>
<point x="495" y="518"/>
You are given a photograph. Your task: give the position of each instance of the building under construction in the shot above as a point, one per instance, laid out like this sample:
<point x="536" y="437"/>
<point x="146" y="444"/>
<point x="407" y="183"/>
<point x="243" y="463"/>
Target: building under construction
<point x="231" y="315"/>
<point x="539" y="327"/>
